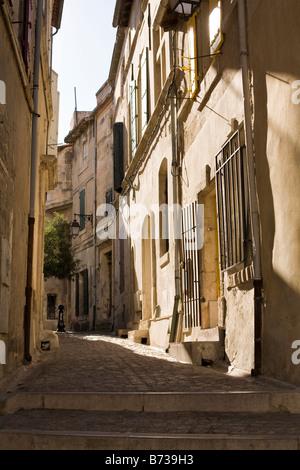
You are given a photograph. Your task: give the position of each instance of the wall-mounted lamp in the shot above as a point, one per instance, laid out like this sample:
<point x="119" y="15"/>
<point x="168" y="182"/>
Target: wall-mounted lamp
<point x="75" y="226"/>
<point x="185" y="8"/>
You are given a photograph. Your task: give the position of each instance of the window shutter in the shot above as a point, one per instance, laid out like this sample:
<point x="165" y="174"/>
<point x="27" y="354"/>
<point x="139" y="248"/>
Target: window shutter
<point x="144" y="89"/>
<point x="133" y="116"/>
<point x="82" y="209"/>
<point x="86" y="292"/>
<point x="118" y="156"/>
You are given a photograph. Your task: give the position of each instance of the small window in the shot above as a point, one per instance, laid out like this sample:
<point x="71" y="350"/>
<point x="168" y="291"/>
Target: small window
<point x="215" y="18"/>
<point x="51" y="306"/>
<point x="133" y="116"/>
<point x="85" y="152"/>
<point x="82" y="293"/>
<point x="144" y="91"/>
<point x="163" y="208"/>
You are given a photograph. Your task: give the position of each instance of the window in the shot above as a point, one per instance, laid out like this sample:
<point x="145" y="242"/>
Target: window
<point x="163" y="208"/>
<point x="192" y="54"/>
<point x="191" y="244"/>
<point x="144" y="90"/>
<point x="215" y="17"/>
<point x="51" y="306"/>
<point x="82" y="293"/>
<point x="231" y="201"/>
<point x="139" y="103"/>
<point x="133" y="116"/>
<point x="159" y="62"/>
<point x="82" y="209"/>
<point x="85" y="151"/>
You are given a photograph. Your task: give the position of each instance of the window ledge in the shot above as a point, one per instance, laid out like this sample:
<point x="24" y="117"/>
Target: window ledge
<point x="241" y="277"/>
<point x="164" y="260"/>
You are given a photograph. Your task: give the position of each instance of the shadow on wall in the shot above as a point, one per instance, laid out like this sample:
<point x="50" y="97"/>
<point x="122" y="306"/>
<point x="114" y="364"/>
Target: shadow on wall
<point x="277" y="166"/>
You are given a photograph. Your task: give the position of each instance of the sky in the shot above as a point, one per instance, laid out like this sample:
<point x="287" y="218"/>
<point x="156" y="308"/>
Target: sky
<point x="82" y="53"/>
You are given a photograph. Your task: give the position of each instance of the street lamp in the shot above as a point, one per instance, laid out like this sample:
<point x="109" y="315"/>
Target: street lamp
<point x="185" y="8"/>
<point x="75" y="227"/>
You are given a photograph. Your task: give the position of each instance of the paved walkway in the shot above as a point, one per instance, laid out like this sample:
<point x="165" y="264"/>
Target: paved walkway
<point x="95" y="364"/>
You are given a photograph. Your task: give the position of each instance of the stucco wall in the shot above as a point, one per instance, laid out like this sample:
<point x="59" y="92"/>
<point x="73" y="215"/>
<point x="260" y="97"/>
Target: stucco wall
<point x="14" y="195"/>
<point x="277" y="118"/>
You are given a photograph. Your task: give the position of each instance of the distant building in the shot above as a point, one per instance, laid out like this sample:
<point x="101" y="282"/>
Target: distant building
<point x="91" y="140"/>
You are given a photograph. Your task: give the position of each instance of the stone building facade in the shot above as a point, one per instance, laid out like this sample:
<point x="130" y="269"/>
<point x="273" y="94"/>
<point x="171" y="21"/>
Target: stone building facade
<point x="92" y="182"/>
<point x="205" y="112"/>
<point x="27" y="169"/>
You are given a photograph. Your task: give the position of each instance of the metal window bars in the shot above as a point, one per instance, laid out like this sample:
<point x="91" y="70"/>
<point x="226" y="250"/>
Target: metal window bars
<point x="230" y="183"/>
<point x="191" y="245"/>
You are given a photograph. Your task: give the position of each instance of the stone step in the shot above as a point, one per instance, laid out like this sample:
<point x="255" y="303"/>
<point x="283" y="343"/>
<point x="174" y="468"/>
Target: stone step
<point x="125" y="430"/>
<point x="209" y="347"/>
<point x="45" y="440"/>
<point x="139" y="336"/>
<point x="262" y="402"/>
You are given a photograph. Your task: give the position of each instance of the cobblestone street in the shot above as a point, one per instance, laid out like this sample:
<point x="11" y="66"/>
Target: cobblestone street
<point x="178" y="399"/>
<point x="95" y="363"/>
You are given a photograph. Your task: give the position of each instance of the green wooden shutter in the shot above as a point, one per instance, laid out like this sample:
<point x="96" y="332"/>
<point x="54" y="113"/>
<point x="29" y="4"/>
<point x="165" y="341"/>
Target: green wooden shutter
<point x="86" y="292"/>
<point x="118" y="155"/>
<point x="144" y="89"/>
<point x="82" y="209"/>
<point x="133" y="117"/>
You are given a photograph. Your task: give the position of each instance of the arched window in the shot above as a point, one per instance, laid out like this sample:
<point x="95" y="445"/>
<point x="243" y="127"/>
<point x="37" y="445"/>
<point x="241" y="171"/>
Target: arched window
<point x="163" y="208"/>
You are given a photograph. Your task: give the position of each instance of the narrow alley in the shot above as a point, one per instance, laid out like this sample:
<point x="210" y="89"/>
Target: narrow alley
<point x="101" y="392"/>
<point x="149" y="226"/>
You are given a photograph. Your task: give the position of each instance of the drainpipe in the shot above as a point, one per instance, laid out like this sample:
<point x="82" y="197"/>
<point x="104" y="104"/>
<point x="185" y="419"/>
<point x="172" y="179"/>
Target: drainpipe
<point x="31" y="219"/>
<point x="175" y="203"/>
<point x="258" y="280"/>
